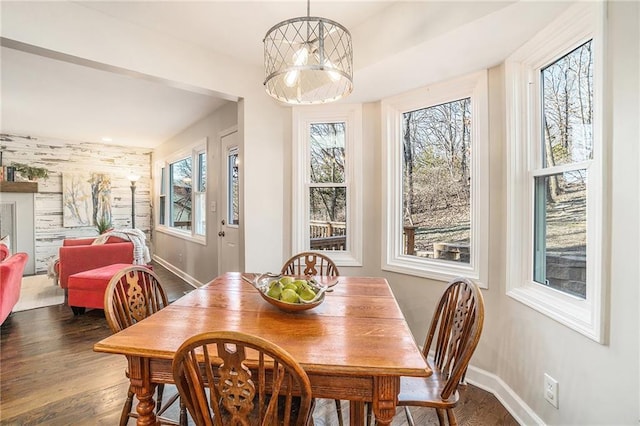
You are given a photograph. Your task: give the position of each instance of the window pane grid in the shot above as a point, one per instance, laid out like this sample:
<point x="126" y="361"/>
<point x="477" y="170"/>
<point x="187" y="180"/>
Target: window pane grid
<point x="327" y="188"/>
<point x="560" y="186"/>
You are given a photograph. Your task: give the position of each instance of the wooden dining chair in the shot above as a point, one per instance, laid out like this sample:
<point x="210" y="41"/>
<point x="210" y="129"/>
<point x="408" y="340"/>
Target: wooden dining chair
<point x="233" y="378"/>
<point x="311" y="263"/>
<point x="454" y="334"/>
<point x="133" y="294"/>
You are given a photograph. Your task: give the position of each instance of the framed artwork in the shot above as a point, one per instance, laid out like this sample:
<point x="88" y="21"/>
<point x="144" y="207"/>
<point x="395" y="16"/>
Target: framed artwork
<point x="86" y="199"/>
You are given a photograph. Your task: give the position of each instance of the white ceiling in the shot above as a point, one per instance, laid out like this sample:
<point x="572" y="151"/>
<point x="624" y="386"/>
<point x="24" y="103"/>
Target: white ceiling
<point x="53" y="98"/>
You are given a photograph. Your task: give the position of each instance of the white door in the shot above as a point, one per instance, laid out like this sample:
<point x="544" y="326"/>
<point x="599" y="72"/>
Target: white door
<point x="229" y="217"/>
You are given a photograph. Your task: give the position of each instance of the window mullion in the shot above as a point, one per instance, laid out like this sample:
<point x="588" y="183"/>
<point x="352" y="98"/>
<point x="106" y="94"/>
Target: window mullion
<point x="562" y="168"/>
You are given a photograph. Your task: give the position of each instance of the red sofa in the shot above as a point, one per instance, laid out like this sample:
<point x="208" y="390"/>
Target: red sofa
<point x="11" y="270"/>
<point x="4" y="252"/>
<point x="79" y="255"/>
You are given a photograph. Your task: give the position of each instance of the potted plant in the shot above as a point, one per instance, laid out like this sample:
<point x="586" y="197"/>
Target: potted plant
<point x="103" y="224"/>
<point x="31" y="172"/>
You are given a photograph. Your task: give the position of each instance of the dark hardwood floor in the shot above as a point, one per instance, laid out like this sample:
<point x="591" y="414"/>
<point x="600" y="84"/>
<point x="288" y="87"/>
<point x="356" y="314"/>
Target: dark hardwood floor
<point x="49" y="374"/>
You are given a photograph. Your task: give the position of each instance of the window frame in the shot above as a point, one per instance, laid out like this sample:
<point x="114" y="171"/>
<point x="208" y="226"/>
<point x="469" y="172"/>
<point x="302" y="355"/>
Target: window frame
<point x="579" y="23"/>
<point x="303" y="118"/>
<point x="193" y="152"/>
<point x="472" y="86"/>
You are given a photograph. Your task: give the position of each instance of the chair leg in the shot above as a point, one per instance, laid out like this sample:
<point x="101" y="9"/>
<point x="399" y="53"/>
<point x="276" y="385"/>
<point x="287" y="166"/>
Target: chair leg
<point x="182" y="421"/>
<point x="451" y="416"/>
<point x="440" y="413"/>
<point x="160" y="391"/>
<point x="126" y="410"/>
<point x="407" y="413"/>
<point x="339" y="411"/>
<point x="183" y="413"/>
<point x="77" y="310"/>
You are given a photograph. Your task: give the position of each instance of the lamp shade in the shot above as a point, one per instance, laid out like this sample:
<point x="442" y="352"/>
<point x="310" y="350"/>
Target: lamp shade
<point x="308" y="60"/>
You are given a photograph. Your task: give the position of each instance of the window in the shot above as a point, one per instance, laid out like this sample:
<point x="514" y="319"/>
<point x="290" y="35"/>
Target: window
<point x="327" y="180"/>
<point x="233" y="190"/>
<point x="163" y="196"/>
<point x="182" y="193"/>
<point x="200" y="195"/>
<point x="180" y="196"/>
<point x="555" y="211"/>
<point x="436" y="180"/>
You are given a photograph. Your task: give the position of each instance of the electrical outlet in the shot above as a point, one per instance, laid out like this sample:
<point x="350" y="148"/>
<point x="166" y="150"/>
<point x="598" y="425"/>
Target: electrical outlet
<point x="551" y="390"/>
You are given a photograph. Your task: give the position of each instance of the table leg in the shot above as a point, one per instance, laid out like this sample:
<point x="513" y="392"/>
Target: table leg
<point x="140" y="377"/>
<point x="385" y="399"/>
<point x="356" y="413"/>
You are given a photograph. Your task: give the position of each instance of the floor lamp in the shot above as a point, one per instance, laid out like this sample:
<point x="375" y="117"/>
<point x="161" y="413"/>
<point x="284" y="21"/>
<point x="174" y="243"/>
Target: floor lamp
<point x="133" y="179"/>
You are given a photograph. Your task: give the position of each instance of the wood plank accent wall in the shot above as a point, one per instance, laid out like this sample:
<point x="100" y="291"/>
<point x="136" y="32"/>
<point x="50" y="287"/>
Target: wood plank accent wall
<point x="60" y="157"/>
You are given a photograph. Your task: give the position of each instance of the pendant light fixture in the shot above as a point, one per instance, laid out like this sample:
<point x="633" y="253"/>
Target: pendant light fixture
<point x="308" y="60"/>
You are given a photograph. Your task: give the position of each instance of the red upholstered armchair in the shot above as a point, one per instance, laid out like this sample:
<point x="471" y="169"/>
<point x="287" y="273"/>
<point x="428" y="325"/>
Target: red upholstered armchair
<point x="79" y="255"/>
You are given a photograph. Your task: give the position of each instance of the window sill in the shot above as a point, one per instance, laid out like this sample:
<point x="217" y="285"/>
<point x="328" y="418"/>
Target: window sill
<point x="571" y="311"/>
<point x="435" y="270"/>
<point x="199" y="239"/>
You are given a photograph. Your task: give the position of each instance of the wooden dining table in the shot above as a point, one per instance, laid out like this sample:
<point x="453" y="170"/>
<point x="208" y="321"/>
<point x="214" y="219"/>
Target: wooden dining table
<point x="354" y="346"/>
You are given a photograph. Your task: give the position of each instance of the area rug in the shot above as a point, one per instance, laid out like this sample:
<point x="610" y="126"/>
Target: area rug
<point x="38" y="291"/>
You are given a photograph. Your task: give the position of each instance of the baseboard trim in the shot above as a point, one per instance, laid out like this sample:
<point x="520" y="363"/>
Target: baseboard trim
<point x="188" y="278"/>
<point x="520" y="411"/>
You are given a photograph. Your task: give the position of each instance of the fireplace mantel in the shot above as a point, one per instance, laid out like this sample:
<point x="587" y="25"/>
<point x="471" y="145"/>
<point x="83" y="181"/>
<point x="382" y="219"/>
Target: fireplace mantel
<point x="18" y="186"/>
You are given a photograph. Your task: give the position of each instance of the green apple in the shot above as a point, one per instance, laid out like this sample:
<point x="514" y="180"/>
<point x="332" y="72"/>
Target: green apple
<point x="275" y="289"/>
<point x="291" y="286"/>
<point x="307" y="293"/>
<point x="300" y="284"/>
<point x="289" y="295"/>
<point x="286" y="280"/>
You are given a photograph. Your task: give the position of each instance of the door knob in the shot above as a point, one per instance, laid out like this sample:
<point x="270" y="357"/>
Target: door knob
<point x="221" y="234"/>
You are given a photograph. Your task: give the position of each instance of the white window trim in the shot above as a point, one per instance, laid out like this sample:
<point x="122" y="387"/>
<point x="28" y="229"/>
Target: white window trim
<point x="577" y="25"/>
<point x="189" y="151"/>
<point x="393" y="259"/>
<point x="303" y="117"/>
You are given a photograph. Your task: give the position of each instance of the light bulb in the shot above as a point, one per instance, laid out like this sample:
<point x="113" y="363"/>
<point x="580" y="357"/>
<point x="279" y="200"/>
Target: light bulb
<point x="291" y="78"/>
<point x="300" y="57"/>
<point x="333" y="75"/>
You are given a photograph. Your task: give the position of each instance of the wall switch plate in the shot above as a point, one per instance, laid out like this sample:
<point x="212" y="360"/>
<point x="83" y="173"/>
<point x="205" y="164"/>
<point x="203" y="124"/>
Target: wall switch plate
<point x="214" y="206"/>
<point x="551" y="390"/>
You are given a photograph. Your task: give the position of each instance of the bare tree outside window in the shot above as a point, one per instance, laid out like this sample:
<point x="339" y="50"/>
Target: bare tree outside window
<point x="181" y="177"/>
<point x="560" y="231"/>
<point x="233" y="215"/>
<point x="436" y="183"/>
<point x="327" y="191"/>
